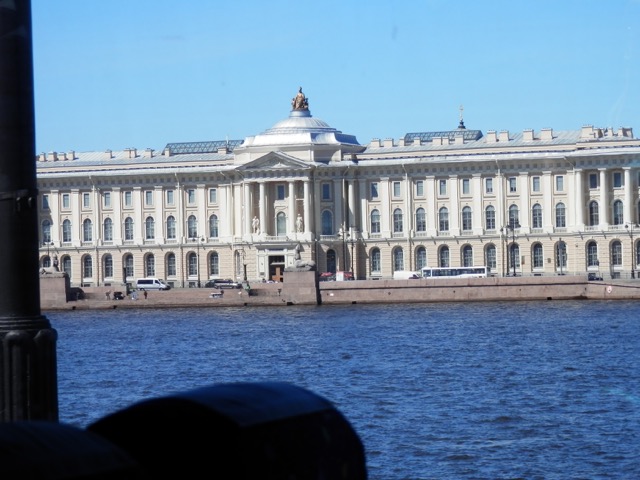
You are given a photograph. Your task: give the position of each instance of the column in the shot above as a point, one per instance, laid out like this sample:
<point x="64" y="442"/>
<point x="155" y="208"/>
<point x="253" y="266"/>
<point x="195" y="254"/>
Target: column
<point x="525" y="204"/>
<point x="454" y="206"/>
<point x="352" y="204"/>
<point x="246" y="209"/>
<point x="604" y="199"/>
<point x="628" y="196"/>
<point x="579" y="206"/>
<point x="364" y="213"/>
<point x="339" y="205"/>
<point x="385" y="209"/>
<point x="291" y="218"/>
<point x="477" y="211"/>
<point x="262" y="207"/>
<point x="306" y="203"/>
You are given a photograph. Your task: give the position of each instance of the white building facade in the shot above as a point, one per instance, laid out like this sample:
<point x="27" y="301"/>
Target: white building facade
<point x="529" y="203"/>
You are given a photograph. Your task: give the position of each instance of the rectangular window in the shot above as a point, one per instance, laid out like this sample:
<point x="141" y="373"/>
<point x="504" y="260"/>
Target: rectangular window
<point x="170" y="197"/>
<point x="593" y="180"/>
<point x="213" y="195"/>
<point x="66" y="201"/>
<point x="191" y="196"/>
<point x="419" y="188"/>
<point x="559" y="183"/>
<point x="466" y="186"/>
<point x="443" y="187"/>
<point x="535" y="184"/>
<point x="488" y="185"/>
<point x="396" y="189"/>
<point x="374" y="190"/>
<point x="86" y="200"/>
<point x="45" y="202"/>
<point x="106" y="197"/>
<point x="326" y="191"/>
<point x="280" y="195"/>
<point x="513" y="185"/>
<point x="128" y="199"/>
<point x="617" y="179"/>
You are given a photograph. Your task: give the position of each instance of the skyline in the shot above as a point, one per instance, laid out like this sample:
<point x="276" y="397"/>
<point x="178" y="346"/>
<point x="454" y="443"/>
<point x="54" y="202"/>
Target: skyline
<point x="143" y="74"/>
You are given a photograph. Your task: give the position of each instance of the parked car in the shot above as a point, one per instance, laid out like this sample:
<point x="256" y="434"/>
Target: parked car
<point x="592" y="277"/>
<point x="118" y="296"/>
<point x="222" y="283"/>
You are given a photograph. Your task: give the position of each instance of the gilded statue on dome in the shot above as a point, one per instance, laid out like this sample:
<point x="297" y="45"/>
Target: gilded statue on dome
<point x="300" y="102"/>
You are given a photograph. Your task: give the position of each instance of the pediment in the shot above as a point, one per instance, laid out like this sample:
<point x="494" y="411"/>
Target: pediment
<point x="275" y="161"/>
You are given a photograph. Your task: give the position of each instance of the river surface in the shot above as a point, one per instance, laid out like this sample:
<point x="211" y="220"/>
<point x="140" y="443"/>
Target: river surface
<point x="496" y="390"/>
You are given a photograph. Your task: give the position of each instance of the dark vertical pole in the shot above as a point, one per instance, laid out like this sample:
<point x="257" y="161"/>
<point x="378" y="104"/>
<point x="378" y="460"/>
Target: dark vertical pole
<point x="28" y="378"/>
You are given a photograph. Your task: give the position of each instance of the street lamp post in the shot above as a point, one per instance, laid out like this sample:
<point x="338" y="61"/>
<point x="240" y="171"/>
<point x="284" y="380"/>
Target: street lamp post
<point x="629" y="227"/>
<point x="511" y="253"/>
<point x="352" y="241"/>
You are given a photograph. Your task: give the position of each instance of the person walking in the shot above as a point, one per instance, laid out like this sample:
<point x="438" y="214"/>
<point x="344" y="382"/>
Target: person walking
<point x="145" y="294"/>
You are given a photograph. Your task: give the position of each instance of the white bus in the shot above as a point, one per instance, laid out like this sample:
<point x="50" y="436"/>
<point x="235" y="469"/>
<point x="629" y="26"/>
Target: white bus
<point x="455" y="272"/>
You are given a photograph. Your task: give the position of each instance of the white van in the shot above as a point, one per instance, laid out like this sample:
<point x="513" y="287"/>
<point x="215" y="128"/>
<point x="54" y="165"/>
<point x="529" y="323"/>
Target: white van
<point x="151" y="284"/>
<point x="405" y="275"/>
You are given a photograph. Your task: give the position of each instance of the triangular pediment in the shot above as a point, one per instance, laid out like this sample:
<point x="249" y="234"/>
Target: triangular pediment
<point x="275" y="161"/>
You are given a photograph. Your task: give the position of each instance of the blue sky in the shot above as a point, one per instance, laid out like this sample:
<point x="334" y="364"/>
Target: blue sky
<point x="141" y="73"/>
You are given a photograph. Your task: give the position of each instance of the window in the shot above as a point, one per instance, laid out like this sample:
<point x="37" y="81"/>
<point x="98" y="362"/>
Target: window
<point x="398" y="259"/>
<point x="513" y="260"/>
<point x="559" y="183"/>
<point x="397" y="190"/>
<point x="375" y="261"/>
<point x="326" y="191"/>
<point x="443" y="256"/>
<point x="150" y="265"/>
<point x="171" y="227"/>
<point x="442" y="187"/>
<point x="213" y="226"/>
<point x="467" y="256"/>
<point x="488" y="185"/>
<point x="535" y="184"/>
<point x="280" y="193"/>
<point x="87" y="267"/>
<point x="45" y="202"/>
<point x="467" y="223"/>
<point x="490" y="217"/>
<point x="148" y="198"/>
<point x="128" y="199"/>
<point x="281" y="224"/>
<point x="106" y="199"/>
<point x="327" y="223"/>
<point x="149" y="228"/>
<point x="66" y="231"/>
<point x="192" y="264"/>
<point x="618" y="214"/>
<point x="66" y="201"/>
<point x="192" y="227"/>
<point x="443" y="220"/>
<point x="374" y="190"/>
<point x="171" y="265"/>
<point x="537" y="256"/>
<point x="214" y="263"/>
<point x="331" y="261"/>
<point x="419" y="188"/>
<point x="191" y="196"/>
<point x="421" y="258"/>
<point x="87" y="231"/>
<point x="491" y="256"/>
<point x="561" y="255"/>
<point x="594" y="218"/>
<point x="213" y="195"/>
<point x="66" y="265"/>
<point x="592" y="254"/>
<point x="107" y="228"/>
<point x="466" y="186"/>
<point x="514" y="217"/>
<point x="513" y="185"/>
<point x="397" y="221"/>
<point x="128" y="228"/>
<point x="617" y="179"/>
<point x="536" y="216"/>
<point x="421" y="220"/>
<point x="561" y="221"/>
<point x="593" y="180"/>
<point x="170" y="197"/>
<point x="86" y="200"/>
<point x="128" y="266"/>
<point x="616" y="254"/>
<point x="107" y="266"/>
<point x="46" y="231"/>
<point x="375" y="221"/>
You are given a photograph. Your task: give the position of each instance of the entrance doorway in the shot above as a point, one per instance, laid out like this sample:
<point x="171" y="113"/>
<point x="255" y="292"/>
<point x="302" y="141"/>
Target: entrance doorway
<point x="276" y="268"/>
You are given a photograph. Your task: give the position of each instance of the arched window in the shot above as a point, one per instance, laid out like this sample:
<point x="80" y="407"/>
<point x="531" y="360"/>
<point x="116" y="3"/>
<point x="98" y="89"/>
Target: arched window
<point x="327" y="223"/>
<point x="513" y="260"/>
<point x="376" y="264"/>
<point x="618" y="214"/>
<point x="107" y="228"/>
<point x="490" y="257"/>
<point x="171" y="227"/>
<point x="213" y="226"/>
<point x="46" y="231"/>
<point x="397" y="221"/>
<point x="331" y="261"/>
<point x="150" y="228"/>
<point x="192" y="264"/>
<point x="281" y="224"/>
<point x="537" y="256"/>
<point x="536" y="216"/>
<point x="214" y="263"/>
<point x="87" y="231"/>
<point x="66" y="231"/>
<point x="561" y="256"/>
<point x="398" y="259"/>
<point x="514" y="216"/>
<point x="128" y="228"/>
<point x="443" y="219"/>
<point x="128" y="266"/>
<point x="171" y="265"/>
<point x="375" y="221"/>
<point x="467" y="256"/>
<point x="87" y="267"/>
<point x="150" y="265"/>
<point x="107" y="266"/>
<point x="467" y="223"/>
<point x="421" y="220"/>
<point x="594" y="217"/>
<point x="616" y="253"/>
<point x="592" y="254"/>
<point x="192" y="227"/>
<point x="66" y="265"/>
<point x="443" y="256"/>
<point x="490" y="217"/>
<point x="421" y="258"/>
<point x="561" y="221"/>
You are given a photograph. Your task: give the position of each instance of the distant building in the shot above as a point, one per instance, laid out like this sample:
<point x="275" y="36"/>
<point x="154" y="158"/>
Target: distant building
<point x="527" y="203"/>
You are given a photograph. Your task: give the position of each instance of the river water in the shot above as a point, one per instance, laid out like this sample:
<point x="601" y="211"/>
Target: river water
<point x="496" y="390"/>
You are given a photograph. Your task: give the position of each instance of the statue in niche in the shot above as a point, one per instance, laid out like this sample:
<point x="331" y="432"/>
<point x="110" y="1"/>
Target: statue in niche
<point x="300" y="102"/>
<point x="255" y="223"/>
<point x="299" y="223"/>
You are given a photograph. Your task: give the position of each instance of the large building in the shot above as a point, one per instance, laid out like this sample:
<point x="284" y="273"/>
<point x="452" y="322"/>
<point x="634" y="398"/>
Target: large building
<point x="523" y="203"/>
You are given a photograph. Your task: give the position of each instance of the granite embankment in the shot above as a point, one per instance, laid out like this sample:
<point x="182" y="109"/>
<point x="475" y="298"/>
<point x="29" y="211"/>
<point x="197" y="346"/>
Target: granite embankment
<point x="304" y="290"/>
